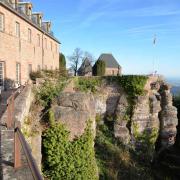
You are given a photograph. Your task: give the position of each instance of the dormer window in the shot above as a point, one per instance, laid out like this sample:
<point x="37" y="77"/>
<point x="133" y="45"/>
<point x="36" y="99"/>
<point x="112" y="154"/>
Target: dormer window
<point x="29" y="12"/>
<point x="40" y="21"/>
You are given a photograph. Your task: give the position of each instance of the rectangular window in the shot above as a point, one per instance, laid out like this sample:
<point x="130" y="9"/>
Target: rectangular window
<point x="38" y="40"/>
<point x="51" y="46"/>
<point x="56" y="48"/>
<point x="39" y="68"/>
<point x="45" y="43"/>
<point x="1" y="22"/>
<point x="29" y="69"/>
<point x="29" y="35"/>
<point x="17" y="29"/>
<point x="1" y="74"/>
<point x="18" y="73"/>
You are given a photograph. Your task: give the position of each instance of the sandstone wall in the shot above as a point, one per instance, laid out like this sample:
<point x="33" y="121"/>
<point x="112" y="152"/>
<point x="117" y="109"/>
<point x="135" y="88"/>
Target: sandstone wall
<point x="19" y="50"/>
<point x="23" y="103"/>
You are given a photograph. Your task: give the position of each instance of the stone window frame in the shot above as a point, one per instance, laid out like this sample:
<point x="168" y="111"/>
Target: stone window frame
<point x="30" y="69"/>
<point x="4" y="72"/>
<point x="56" y="48"/>
<point x="38" y="68"/>
<point x="3" y="22"/>
<point x="51" y="46"/>
<point x="29" y="35"/>
<point x="45" y="42"/>
<point x="17" y="29"/>
<point x="38" y="40"/>
<point x="18" y="76"/>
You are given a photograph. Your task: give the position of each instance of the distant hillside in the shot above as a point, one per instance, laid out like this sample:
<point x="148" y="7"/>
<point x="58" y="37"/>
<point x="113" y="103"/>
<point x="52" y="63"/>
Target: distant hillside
<point x="175" y="90"/>
<point x="175" y="82"/>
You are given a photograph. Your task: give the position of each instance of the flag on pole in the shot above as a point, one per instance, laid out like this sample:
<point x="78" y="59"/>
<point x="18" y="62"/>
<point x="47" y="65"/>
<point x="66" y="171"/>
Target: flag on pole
<point x="154" y="40"/>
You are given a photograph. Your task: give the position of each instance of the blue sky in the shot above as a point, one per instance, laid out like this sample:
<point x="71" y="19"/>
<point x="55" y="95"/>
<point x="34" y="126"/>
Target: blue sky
<point x="124" y="28"/>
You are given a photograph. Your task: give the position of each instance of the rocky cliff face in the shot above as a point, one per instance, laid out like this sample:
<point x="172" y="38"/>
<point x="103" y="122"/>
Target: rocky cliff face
<point x="152" y="111"/>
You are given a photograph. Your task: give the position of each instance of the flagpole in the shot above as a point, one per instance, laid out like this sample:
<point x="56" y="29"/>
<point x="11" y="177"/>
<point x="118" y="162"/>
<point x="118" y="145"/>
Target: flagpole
<point x="154" y="45"/>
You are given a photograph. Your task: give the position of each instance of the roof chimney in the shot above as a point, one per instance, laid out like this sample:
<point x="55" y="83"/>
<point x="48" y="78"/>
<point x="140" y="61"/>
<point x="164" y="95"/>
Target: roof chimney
<point x="46" y="26"/>
<point x="37" y="18"/>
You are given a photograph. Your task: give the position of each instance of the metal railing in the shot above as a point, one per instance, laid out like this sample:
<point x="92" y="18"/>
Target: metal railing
<point x="21" y="142"/>
<point x="10" y="107"/>
<point x="19" y="139"/>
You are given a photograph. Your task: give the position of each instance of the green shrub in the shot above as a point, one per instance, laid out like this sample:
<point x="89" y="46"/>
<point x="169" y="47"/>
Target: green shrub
<point x="48" y="91"/>
<point x="88" y="84"/>
<point x="51" y="118"/>
<point x="133" y="84"/>
<point x="146" y="140"/>
<point x="62" y="61"/>
<point x="99" y="68"/>
<point x="64" y="159"/>
<point x="35" y="74"/>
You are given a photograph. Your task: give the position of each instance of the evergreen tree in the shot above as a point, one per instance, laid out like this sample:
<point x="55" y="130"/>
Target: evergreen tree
<point x="99" y="68"/>
<point x="62" y="61"/>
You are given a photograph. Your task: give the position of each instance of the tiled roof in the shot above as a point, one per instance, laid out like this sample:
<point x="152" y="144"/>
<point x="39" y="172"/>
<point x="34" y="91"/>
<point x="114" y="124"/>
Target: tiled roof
<point x="109" y="60"/>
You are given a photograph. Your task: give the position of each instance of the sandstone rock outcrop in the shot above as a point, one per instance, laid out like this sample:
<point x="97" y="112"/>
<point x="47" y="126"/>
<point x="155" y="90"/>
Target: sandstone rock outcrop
<point x="121" y="121"/>
<point x="74" y="110"/>
<point x="168" y="117"/>
<point x="152" y="111"/>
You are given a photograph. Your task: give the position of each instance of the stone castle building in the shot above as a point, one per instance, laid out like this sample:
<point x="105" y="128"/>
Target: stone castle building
<point x="26" y="42"/>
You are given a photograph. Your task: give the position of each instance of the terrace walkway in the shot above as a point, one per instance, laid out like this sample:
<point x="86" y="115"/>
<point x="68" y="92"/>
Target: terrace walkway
<point x="7" y="155"/>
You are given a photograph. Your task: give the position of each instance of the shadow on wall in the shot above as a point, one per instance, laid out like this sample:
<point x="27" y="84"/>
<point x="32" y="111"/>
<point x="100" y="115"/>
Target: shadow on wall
<point x="9" y="84"/>
<point x="111" y="105"/>
<point x="8" y="88"/>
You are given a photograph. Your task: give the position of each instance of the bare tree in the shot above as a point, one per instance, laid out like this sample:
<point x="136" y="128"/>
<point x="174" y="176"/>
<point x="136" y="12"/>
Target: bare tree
<point x="75" y="59"/>
<point x="89" y="56"/>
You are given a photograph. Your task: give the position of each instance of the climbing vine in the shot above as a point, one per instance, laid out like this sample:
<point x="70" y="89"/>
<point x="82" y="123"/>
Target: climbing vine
<point x="88" y="84"/>
<point x="146" y="140"/>
<point x="133" y="84"/>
